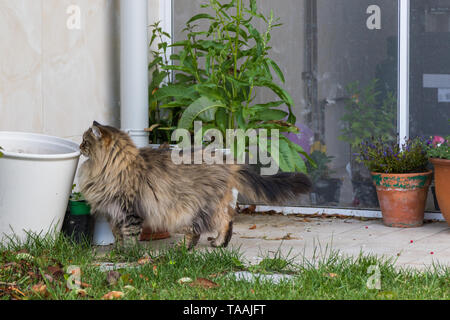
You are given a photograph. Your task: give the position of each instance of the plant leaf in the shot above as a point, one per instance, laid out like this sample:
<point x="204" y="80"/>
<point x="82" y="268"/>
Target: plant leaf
<point x="199" y="106"/>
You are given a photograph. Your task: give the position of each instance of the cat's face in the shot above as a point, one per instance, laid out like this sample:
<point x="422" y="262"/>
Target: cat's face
<point x="95" y="140"/>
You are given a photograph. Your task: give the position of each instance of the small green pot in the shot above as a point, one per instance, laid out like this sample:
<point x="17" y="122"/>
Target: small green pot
<point x="79" y="208"/>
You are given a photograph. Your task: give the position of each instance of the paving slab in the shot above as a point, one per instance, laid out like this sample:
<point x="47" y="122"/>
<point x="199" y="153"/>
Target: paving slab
<point x="308" y="239"/>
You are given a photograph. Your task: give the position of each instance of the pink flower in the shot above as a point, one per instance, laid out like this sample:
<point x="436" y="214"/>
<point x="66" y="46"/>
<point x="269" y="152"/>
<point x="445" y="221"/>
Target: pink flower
<point x="438" y="140"/>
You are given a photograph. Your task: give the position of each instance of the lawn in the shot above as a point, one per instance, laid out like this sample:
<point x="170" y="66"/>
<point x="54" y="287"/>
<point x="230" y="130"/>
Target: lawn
<point x="39" y="268"/>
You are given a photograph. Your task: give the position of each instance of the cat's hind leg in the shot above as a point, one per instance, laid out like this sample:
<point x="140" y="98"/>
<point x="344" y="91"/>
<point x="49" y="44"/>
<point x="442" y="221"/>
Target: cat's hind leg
<point x="224" y="228"/>
<point x="190" y="240"/>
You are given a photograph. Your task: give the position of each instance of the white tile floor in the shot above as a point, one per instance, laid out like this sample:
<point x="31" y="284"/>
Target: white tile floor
<point x="306" y="237"/>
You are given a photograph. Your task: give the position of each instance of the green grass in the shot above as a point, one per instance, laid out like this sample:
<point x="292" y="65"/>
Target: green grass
<point x="44" y="261"/>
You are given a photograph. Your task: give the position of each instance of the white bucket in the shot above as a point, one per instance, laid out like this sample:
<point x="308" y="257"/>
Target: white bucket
<point x="36" y="176"/>
<point x="103" y="235"/>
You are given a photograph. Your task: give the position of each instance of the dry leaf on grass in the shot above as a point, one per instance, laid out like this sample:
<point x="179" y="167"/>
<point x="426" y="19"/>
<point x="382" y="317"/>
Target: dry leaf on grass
<point x="219" y="274"/>
<point x="184" y="280"/>
<point x="113" y="295"/>
<point x="81" y="292"/>
<point x="82" y="284"/>
<point x="55" y="271"/>
<point x="144" y="260"/>
<point x="204" y="283"/>
<point x="40" y="289"/>
<point x="9" y="265"/>
<point x="331" y="275"/>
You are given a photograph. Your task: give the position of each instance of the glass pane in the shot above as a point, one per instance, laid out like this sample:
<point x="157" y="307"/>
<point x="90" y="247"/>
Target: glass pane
<point x="339" y="59"/>
<point x="430" y="70"/>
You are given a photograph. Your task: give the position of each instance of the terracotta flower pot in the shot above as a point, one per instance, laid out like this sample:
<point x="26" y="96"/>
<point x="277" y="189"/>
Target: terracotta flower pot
<point x="149" y="234"/>
<point x="442" y="183"/>
<point x="402" y="197"/>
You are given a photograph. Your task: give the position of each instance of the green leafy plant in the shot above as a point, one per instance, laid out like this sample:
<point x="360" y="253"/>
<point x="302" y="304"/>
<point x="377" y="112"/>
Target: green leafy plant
<point x="321" y="170"/>
<point x="217" y="72"/>
<point x="439" y="147"/>
<point x="386" y="156"/>
<point x="163" y="120"/>
<point x="368" y="115"/>
<point x="76" y="196"/>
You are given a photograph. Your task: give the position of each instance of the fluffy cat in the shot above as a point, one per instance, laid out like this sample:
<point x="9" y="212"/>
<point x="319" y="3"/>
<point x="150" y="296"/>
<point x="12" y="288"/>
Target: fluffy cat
<point x="130" y="185"/>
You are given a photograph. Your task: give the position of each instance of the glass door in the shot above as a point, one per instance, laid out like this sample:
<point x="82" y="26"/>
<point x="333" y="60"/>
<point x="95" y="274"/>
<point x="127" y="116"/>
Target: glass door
<point x="339" y="59"/>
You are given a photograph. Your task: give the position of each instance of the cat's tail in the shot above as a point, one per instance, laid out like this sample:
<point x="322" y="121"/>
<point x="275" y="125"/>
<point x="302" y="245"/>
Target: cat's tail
<point x="273" y="189"/>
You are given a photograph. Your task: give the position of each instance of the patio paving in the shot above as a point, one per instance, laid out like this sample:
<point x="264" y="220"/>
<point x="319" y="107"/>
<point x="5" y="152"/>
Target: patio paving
<point x="299" y="237"/>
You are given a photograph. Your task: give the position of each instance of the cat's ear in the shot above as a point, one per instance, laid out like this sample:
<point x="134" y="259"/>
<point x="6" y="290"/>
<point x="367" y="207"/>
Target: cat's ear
<point x="96" y="130"/>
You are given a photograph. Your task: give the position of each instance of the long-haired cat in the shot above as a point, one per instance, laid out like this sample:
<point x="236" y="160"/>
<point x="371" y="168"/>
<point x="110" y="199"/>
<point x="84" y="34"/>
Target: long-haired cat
<point x="131" y="185"/>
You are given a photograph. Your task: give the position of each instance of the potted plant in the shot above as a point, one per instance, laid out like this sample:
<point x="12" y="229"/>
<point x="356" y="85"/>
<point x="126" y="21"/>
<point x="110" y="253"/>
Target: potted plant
<point x="439" y="154"/>
<point x="368" y="113"/>
<point x="78" y="223"/>
<point x="217" y="71"/>
<point x="326" y="190"/>
<point x="401" y="179"/>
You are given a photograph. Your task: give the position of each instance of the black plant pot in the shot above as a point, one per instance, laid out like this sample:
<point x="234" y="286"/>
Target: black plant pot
<point x="78" y="223"/>
<point x="326" y="192"/>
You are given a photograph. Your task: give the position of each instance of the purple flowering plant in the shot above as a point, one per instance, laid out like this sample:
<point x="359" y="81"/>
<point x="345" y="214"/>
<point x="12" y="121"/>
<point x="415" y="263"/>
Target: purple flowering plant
<point x="387" y="156"/>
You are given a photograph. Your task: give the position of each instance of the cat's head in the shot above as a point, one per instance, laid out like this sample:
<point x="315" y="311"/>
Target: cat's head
<point x="98" y="140"/>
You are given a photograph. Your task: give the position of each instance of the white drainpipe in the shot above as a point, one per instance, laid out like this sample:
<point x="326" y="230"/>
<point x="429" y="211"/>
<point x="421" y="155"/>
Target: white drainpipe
<point x="133" y="70"/>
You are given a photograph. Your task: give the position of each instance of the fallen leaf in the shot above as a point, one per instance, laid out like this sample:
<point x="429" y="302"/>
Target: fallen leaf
<point x="9" y="265"/>
<point x="129" y="288"/>
<point x="112" y="277"/>
<point x="56" y="271"/>
<point x="253" y="227"/>
<point x="82" y="284"/>
<point x="113" y="295"/>
<point x="332" y="275"/>
<point x="146" y="259"/>
<point x="81" y="292"/>
<point x="204" y="283"/>
<point x="184" y="280"/>
<point x="40" y="289"/>
<point x="215" y="275"/>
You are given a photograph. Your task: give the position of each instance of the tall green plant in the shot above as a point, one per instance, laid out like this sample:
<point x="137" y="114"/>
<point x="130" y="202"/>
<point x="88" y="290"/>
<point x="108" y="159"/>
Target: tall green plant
<point x="217" y="71"/>
<point x="163" y="121"/>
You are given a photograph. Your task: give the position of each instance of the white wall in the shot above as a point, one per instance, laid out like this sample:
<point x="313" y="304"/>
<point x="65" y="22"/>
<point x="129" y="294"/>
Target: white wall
<point x="54" y="80"/>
